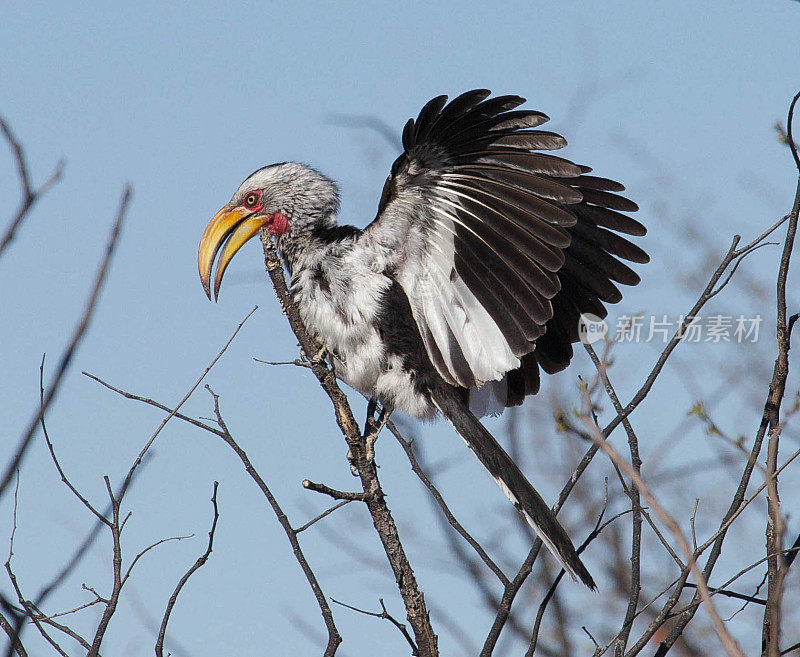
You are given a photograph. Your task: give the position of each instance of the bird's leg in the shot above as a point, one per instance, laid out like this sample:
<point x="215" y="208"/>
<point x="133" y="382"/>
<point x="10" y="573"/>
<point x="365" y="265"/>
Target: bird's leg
<point x="323" y="355"/>
<point x="369" y="423"/>
<point x="369" y="427"/>
<point x="318" y="357"/>
<point x="353" y="466"/>
<point x="371" y="436"/>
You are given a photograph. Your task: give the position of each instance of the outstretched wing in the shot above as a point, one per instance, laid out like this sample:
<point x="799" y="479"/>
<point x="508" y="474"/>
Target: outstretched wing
<point x="498" y="246"/>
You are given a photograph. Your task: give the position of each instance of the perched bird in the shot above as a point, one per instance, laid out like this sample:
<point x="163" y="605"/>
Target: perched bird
<point x="473" y="275"/>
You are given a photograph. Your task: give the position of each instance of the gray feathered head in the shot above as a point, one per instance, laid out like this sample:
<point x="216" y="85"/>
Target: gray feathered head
<point x="283" y="198"/>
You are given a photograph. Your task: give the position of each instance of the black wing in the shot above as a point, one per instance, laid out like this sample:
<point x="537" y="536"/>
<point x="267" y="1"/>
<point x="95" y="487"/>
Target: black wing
<point x="498" y="246"/>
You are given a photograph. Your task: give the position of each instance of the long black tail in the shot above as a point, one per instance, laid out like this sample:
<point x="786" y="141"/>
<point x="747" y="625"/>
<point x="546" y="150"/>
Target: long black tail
<point x="513" y="483"/>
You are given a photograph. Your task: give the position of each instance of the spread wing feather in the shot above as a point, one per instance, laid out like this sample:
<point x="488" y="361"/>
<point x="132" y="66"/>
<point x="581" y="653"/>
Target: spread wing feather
<point x="498" y="246"/>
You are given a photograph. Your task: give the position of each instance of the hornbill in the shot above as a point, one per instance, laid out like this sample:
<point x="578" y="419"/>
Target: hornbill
<point x="483" y="256"/>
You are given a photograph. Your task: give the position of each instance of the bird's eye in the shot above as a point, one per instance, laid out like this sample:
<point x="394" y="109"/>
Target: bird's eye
<point x="251" y="200"/>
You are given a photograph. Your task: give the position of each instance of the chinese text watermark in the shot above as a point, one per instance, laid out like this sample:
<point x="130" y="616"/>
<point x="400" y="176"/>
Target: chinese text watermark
<point x="643" y="328"/>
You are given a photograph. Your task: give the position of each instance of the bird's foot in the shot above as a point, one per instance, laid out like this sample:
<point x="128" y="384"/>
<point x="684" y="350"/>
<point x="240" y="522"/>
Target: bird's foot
<point x="372" y="406"/>
<point x="352" y="462"/>
<point x="317" y="357"/>
<point x="373" y="427"/>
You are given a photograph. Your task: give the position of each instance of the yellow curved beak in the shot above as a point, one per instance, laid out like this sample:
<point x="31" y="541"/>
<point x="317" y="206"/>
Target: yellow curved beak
<point x="229" y="227"/>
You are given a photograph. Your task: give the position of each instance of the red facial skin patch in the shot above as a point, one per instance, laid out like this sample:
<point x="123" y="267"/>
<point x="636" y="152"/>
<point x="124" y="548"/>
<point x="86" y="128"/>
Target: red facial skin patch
<point x="278" y="223"/>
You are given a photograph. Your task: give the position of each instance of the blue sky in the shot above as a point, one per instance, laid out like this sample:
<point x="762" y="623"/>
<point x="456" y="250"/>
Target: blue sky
<point x="184" y="100"/>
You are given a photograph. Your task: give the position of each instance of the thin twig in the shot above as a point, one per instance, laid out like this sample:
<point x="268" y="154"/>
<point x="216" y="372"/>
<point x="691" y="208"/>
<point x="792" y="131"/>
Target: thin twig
<point x="50" y="447"/>
<point x="48" y="620"/>
<point x="322" y="515"/>
<point x="151" y="402"/>
<point x="183" y="400"/>
<point x="386" y="615"/>
<point x="74" y="610"/>
<point x="334" y="639"/>
<point x="729" y="594"/>
<point x="636" y="507"/>
<point x="29" y="194"/>
<point x="77" y="336"/>
<point x="29" y="611"/>
<point x="152" y="546"/>
<point x="116" y="565"/>
<point x="730" y="644"/>
<point x="336" y="494"/>
<point x="451" y="519"/>
<point x="201" y="560"/>
<point x="13" y="637"/>
<point x="774" y="529"/>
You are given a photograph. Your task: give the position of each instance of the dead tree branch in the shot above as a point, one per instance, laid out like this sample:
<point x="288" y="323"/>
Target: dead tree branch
<point x="221" y="430"/>
<point x="636" y="508"/>
<point x="770" y="414"/>
<point x="408" y="448"/>
<point x="386" y="615"/>
<point x="730" y="644"/>
<point x="201" y="560"/>
<point x="336" y="494"/>
<point x="29" y="194"/>
<point x="333" y="634"/>
<point x="774" y="531"/>
<point x="416" y="610"/>
<point x="77" y="336"/>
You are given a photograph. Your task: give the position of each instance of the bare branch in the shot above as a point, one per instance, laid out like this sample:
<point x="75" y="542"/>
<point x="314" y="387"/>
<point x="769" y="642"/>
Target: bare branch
<point x="416" y="610"/>
<point x="48" y="620"/>
<point x="77" y="336"/>
<point x="152" y="546"/>
<point x="385" y="614"/>
<point x="333" y="634"/>
<point x="336" y="494"/>
<point x="172" y="411"/>
<point x="75" y="610"/>
<point x="774" y="531"/>
<point x="30" y="612"/>
<point x="334" y="639"/>
<point x="417" y="469"/>
<point x="13" y="636"/>
<point x="730" y="644"/>
<point x="636" y="506"/>
<point x="182" y="402"/>
<point x="322" y="515"/>
<point x="29" y="194"/>
<point x="201" y="560"/>
<point x="116" y="565"/>
<point x="50" y="447"/>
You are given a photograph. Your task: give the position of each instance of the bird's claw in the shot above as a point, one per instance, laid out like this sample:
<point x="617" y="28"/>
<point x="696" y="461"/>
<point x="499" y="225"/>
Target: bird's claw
<point x="373" y="427"/>
<point x="318" y="357"/>
<point x="351" y="461"/>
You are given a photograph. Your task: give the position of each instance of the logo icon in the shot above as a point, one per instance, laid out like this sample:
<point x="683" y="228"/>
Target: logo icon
<point x="591" y="328"/>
